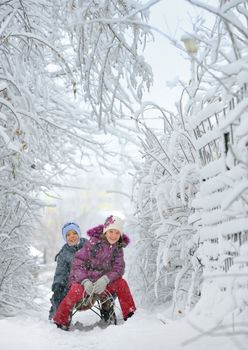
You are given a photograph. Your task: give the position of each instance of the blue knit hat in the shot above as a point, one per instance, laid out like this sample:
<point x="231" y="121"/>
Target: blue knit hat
<point x="70" y="226"/>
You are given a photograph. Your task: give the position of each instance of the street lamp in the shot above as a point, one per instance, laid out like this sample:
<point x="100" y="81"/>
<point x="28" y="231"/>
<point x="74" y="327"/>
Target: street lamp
<point x="191" y="46"/>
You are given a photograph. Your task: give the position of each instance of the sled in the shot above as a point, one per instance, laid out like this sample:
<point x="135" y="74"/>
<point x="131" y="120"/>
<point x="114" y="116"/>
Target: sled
<point x="102" y="305"/>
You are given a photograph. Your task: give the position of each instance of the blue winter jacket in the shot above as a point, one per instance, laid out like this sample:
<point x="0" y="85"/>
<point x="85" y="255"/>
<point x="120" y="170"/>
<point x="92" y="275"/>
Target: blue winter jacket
<point x="64" y="260"/>
<point x="60" y="281"/>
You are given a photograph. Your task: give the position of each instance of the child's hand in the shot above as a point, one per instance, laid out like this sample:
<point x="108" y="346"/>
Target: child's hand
<point x="101" y="284"/>
<point x="88" y="286"/>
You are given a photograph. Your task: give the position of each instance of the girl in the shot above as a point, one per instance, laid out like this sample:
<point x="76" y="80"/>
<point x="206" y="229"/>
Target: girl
<point x="71" y="234"/>
<point x="97" y="267"/>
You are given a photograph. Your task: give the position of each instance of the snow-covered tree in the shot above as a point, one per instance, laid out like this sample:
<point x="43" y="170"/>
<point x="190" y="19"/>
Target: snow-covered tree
<point x="108" y="38"/>
<point x="45" y="128"/>
<point x="214" y="210"/>
<point x="166" y="268"/>
<point x="219" y="116"/>
<point x="34" y="127"/>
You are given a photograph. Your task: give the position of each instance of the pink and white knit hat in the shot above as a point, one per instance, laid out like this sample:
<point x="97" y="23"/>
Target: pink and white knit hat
<point x="113" y="222"/>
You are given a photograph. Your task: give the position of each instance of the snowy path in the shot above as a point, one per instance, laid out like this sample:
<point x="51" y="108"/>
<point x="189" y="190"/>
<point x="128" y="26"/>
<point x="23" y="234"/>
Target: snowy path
<point x="144" y="331"/>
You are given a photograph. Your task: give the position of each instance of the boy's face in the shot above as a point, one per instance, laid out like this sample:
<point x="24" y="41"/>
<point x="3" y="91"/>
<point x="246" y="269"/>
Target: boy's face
<point x="113" y="236"/>
<point x="72" y="237"/>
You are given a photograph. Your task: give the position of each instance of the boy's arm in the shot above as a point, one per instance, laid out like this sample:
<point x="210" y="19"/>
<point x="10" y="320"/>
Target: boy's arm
<point x="61" y="272"/>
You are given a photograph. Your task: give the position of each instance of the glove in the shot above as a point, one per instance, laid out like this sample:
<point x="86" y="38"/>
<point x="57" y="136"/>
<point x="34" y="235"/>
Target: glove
<point x="101" y="284"/>
<point x="88" y="286"/>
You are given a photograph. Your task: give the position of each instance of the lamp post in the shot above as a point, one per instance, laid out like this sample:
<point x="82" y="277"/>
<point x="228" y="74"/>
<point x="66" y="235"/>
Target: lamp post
<point x="191" y="46"/>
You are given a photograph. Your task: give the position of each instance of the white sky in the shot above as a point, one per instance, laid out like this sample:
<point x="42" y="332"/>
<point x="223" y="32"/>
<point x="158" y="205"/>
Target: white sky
<point x="174" y="18"/>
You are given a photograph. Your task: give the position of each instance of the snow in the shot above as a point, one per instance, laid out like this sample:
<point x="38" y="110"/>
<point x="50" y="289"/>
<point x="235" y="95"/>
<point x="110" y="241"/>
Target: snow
<point x="35" y="252"/>
<point x="146" y="330"/>
<point x="36" y="127"/>
<point x="207" y="138"/>
<point x="225" y="228"/>
<point x="205" y="113"/>
<point x="222" y="179"/>
<point x="213" y="168"/>
<point x="234" y="114"/>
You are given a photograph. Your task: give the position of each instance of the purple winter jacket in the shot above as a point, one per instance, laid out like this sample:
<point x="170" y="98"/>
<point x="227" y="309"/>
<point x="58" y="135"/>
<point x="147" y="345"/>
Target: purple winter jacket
<point x="98" y="257"/>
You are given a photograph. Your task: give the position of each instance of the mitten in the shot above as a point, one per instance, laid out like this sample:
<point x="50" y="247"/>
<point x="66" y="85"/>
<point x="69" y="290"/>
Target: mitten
<point x="88" y="286"/>
<point x="101" y="284"/>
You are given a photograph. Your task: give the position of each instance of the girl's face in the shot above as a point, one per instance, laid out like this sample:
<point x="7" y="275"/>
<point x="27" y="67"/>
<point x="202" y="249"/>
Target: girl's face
<point x="113" y="236"/>
<point x="72" y="237"/>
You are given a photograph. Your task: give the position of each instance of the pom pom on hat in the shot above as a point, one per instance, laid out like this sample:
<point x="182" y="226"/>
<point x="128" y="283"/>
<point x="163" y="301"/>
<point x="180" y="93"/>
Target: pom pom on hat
<point x="113" y="222"/>
<point x="70" y="226"/>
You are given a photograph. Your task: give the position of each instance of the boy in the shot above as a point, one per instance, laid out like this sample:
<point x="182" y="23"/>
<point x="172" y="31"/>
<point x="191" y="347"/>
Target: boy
<point x="71" y="234"/>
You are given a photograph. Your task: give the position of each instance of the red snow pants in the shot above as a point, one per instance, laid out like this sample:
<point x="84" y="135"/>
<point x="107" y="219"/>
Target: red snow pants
<point x="76" y="293"/>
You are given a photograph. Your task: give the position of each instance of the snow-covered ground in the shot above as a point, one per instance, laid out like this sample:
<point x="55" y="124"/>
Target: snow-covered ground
<point x="144" y="331"/>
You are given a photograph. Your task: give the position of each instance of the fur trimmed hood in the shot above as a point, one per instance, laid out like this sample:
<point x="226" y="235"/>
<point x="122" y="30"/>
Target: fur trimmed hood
<point x="97" y="233"/>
